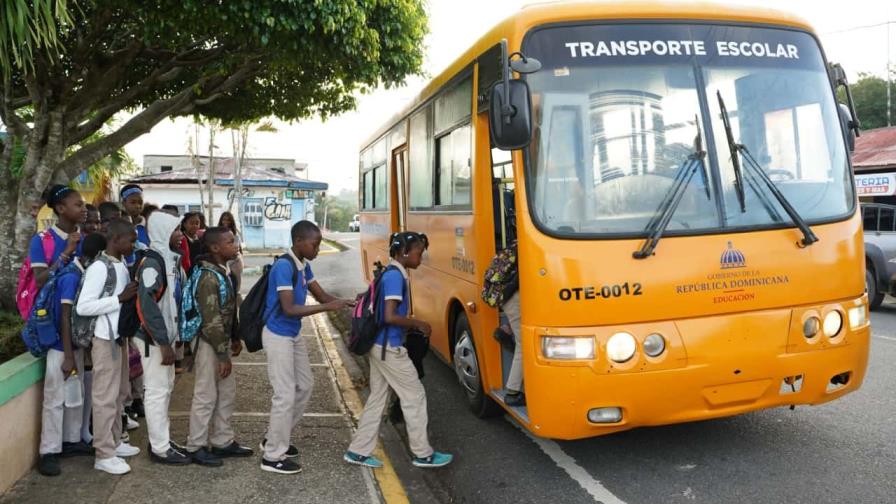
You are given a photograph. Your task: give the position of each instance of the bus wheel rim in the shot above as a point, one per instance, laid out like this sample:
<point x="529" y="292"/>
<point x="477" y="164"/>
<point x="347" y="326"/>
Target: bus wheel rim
<point x="465" y="363"/>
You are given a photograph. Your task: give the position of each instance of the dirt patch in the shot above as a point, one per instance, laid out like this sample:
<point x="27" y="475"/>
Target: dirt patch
<point x="11" y="344"/>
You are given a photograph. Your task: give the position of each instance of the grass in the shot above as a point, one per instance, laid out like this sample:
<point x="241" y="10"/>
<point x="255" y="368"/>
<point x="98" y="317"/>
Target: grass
<point x="11" y="344"/>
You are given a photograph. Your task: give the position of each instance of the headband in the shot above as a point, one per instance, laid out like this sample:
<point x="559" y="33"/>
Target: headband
<point x="58" y="195"/>
<point x="130" y="192"/>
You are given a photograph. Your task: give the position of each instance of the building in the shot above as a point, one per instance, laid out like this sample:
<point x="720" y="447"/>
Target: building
<point x="273" y="198"/>
<point x="161" y="163"/>
<point x="874" y="161"/>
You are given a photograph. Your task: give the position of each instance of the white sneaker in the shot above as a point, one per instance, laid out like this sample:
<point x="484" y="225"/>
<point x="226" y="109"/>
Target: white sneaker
<point x="126" y="450"/>
<point x="132" y="424"/>
<point x="112" y="465"/>
<point x="125" y="437"/>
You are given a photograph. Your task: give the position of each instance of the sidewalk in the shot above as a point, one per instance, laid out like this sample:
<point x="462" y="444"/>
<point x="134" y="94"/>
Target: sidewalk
<point x="322" y="438"/>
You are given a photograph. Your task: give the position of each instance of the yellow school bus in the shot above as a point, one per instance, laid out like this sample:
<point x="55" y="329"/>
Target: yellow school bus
<point x="677" y="181"/>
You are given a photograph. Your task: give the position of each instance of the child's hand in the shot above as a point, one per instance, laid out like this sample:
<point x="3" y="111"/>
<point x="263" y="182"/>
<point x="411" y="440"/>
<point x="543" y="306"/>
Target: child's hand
<point x="236" y="348"/>
<point x="224" y="369"/>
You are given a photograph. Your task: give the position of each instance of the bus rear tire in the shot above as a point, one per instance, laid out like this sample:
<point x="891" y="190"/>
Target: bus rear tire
<point x="466" y="366"/>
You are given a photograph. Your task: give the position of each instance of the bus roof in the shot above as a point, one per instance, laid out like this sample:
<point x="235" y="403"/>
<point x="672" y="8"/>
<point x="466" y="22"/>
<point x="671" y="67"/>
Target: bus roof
<point x="516" y="25"/>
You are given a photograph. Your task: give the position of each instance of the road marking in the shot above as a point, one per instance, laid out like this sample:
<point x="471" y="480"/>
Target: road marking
<point x="888" y="338"/>
<point x="597" y="491"/>
<point x="313" y="364"/>
<point x="257" y="414"/>
<point x="390" y="485"/>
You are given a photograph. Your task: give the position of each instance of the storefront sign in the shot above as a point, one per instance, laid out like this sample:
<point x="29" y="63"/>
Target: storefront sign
<point x="878" y="184"/>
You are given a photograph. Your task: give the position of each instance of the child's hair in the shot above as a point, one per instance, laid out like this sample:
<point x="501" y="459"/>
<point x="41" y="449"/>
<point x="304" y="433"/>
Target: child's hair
<point x="56" y="195"/>
<point x="213" y="236"/>
<point x="401" y="243"/>
<point x="119" y="227"/>
<point x="202" y="224"/>
<point x="187" y="217"/>
<point x="148" y="209"/>
<point x="108" y="209"/>
<point x="91" y="208"/>
<point x="171" y="209"/>
<point x="93" y="244"/>
<point x="232" y="226"/>
<point x="130" y="190"/>
<point x="303" y="229"/>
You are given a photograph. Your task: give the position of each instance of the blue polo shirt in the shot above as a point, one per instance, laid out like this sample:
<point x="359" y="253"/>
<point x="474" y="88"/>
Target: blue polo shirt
<point x="393" y="287"/>
<point x="66" y="290"/>
<point x="36" y="248"/>
<point x="280" y="279"/>
<point x="142" y="242"/>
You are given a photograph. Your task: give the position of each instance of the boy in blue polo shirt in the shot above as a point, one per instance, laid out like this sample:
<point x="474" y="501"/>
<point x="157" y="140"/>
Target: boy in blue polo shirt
<point x="289" y="371"/>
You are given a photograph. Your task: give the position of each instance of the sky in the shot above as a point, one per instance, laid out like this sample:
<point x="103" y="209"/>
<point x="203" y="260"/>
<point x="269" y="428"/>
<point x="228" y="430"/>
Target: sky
<point x="853" y="33"/>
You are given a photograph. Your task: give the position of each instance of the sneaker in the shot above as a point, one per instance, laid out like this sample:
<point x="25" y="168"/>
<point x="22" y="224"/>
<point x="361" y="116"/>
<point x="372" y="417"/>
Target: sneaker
<point x="171" y="457"/>
<point x="138" y="409"/>
<point x="129" y="423"/>
<point x="76" y="449"/>
<point x="437" y="459"/>
<point x="112" y="465"/>
<point x="125" y="437"/>
<point x="361" y="460"/>
<point x="515" y="399"/>
<point x="48" y="465"/>
<point x="126" y="450"/>
<point x="291" y="452"/>
<point x="284" y="466"/>
<point x="204" y="458"/>
<point x="234" y="449"/>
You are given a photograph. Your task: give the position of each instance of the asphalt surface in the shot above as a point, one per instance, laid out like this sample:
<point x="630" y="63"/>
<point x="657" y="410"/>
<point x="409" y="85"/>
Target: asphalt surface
<point x="844" y="451"/>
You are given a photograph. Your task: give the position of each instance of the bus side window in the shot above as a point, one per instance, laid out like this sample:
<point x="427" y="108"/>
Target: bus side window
<point x="869" y="219"/>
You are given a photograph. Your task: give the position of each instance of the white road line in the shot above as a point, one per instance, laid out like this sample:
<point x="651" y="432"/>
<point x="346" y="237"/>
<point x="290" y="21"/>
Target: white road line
<point x="258" y="414"/>
<point x="313" y="364"/>
<point x="597" y="491"/>
<point x="888" y="338"/>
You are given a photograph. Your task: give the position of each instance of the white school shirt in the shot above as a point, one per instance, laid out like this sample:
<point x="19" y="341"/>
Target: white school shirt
<point x="106" y="309"/>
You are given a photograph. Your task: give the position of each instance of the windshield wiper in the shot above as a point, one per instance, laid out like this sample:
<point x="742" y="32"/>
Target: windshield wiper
<point x="736" y="150"/>
<point x="660" y="220"/>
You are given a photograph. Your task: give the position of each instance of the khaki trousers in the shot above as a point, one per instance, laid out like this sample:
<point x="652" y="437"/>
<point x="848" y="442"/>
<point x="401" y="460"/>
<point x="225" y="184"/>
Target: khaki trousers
<point x="158" y="382"/>
<point x="511" y="308"/>
<point x="213" y="401"/>
<point x="290" y="374"/>
<point x="398" y="373"/>
<point x="109" y="389"/>
<point x="58" y="423"/>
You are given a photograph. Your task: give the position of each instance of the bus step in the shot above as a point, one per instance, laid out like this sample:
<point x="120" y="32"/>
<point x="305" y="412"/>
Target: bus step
<point x="519" y="411"/>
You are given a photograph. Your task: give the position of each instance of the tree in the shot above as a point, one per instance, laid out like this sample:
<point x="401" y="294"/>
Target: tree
<point x="870" y="96"/>
<point x="234" y="61"/>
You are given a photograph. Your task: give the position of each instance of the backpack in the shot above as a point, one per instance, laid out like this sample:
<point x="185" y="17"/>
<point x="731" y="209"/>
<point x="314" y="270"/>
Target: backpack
<point x="501" y="279"/>
<point x="366" y="320"/>
<point x="83" y="326"/>
<point x="252" y="319"/>
<point x="191" y="318"/>
<point x="26" y="285"/>
<point x="130" y="320"/>
<point x="39" y="332"/>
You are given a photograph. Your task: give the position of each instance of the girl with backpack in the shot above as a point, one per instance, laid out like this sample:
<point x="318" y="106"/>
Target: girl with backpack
<point x="390" y="366"/>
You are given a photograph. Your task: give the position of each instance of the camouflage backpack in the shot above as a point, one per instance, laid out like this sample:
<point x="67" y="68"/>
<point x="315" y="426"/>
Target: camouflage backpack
<point x="501" y="279"/>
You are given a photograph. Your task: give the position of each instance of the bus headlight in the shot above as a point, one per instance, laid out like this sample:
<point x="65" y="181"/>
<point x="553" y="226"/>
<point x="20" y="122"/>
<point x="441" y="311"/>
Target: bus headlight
<point x="563" y="348"/>
<point x="833" y="321"/>
<point x="811" y="327"/>
<point x="858" y="316"/>
<point x="654" y="345"/>
<point x="621" y="347"/>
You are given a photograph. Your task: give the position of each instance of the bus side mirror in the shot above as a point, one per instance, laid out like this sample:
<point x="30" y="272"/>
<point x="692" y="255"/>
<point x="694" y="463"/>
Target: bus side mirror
<point x="846" y="124"/>
<point x="510" y="115"/>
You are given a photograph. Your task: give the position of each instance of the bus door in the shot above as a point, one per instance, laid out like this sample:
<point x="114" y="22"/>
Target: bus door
<point x="400" y="176"/>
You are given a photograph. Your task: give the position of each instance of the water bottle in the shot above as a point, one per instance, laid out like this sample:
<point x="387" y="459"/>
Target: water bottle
<point x="74" y="392"/>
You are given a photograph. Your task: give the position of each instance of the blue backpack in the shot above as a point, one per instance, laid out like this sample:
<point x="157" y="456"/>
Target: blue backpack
<point x="39" y="332"/>
<point x="191" y="318"/>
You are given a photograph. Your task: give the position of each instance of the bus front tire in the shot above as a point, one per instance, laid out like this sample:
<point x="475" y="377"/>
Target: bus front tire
<point x="466" y="366"/>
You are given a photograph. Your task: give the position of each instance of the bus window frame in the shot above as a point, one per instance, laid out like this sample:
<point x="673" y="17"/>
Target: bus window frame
<point x="437" y="171"/>
<point x="528" y="168"/>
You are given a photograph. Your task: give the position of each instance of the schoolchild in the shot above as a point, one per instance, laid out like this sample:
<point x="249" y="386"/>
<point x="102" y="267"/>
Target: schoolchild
<point x="92" y="224"/>
<point x="109" y="211"/>
<point x="190" y="226"/>
<point x="108" y="352"/>
<point x="68" y="207"/>
<point x="289" y="370"/>
<point x="132" y="202"/>
<point x="393" y="368"/>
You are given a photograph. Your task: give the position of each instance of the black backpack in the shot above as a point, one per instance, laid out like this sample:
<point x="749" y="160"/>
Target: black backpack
<point x="130" y="320"/>
<point x="366" y="321"/>
<point x="252" y="319"/>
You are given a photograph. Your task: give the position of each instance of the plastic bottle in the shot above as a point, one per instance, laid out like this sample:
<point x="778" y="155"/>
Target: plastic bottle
<point x="74" y="392"/>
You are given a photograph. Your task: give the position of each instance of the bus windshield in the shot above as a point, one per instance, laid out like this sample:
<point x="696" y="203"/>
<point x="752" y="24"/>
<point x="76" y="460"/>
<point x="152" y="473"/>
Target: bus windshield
<point x="619" y="108"/>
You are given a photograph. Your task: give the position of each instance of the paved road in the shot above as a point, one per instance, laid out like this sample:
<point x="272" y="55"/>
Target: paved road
<point x="843" y="451"/>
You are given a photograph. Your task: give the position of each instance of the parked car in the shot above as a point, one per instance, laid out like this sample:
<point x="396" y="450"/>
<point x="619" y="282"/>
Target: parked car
<point x="355" y="225"/>
<point x="879" y="223"/>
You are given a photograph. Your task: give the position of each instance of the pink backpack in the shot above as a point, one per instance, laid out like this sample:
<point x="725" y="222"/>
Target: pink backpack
<point x="26" y="287"/>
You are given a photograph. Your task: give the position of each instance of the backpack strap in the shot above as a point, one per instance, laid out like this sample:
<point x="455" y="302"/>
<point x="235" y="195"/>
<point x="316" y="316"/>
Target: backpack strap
<point x="378" y="294"/>
<point x="49" y="245"/>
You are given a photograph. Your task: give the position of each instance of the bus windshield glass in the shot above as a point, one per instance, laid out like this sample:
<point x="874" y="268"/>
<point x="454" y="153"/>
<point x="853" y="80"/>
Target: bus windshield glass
<point x="619" y="108"/>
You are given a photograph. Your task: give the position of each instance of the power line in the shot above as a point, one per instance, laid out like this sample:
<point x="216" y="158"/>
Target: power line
<point x="854" y="28"/>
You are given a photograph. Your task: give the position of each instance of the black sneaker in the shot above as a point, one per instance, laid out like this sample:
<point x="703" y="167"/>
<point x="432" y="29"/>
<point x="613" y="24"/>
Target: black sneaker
<point x="284" y="466"/>
<point x="234" y="449"/>
<point x="172" y="457"/>
<point x="204" y="458"/>
<point x="48" y="465"/>
<point x="138" y="409"/>
<point x="76" y="449"/>
<point x="516" y="400"/>
<point x="291" y="452"/>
